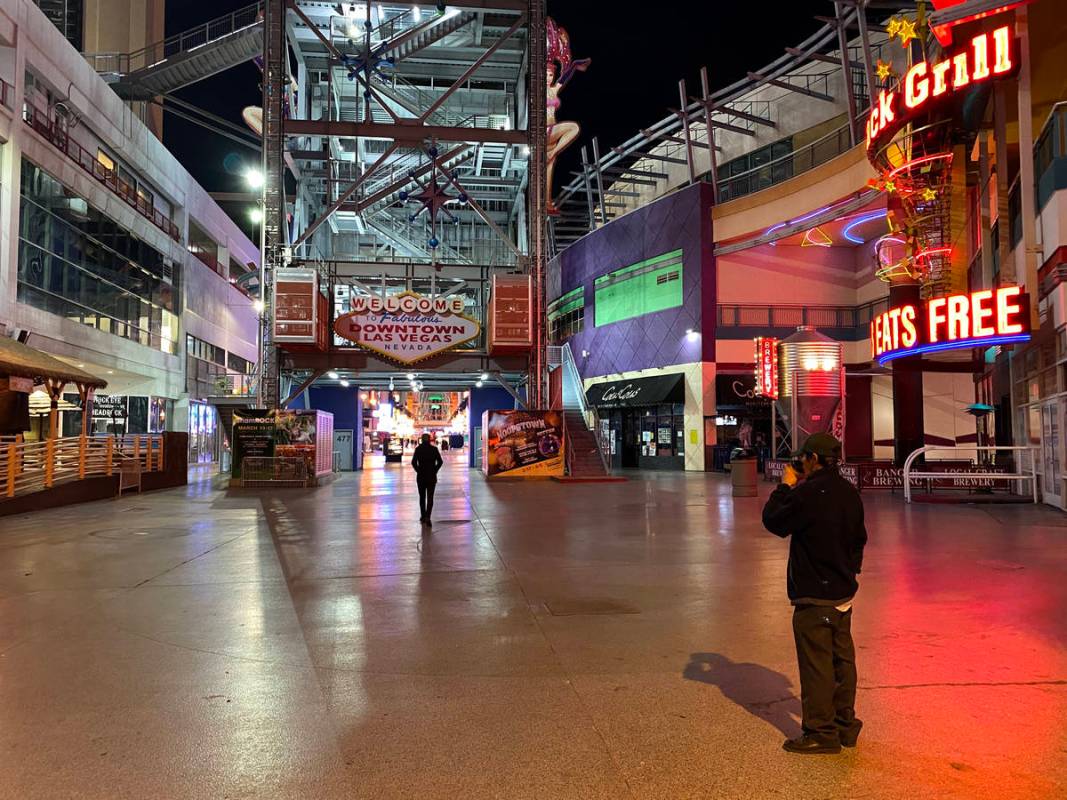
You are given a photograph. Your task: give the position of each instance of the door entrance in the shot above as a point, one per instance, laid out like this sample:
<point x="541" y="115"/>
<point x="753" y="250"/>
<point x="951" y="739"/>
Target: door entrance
<point x="342" y="449"/>
<point x="1051" y="453"/>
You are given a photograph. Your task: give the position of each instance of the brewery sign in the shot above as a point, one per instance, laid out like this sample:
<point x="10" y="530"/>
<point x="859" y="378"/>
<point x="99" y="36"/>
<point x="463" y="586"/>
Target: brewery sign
<point x="407" y="327"/>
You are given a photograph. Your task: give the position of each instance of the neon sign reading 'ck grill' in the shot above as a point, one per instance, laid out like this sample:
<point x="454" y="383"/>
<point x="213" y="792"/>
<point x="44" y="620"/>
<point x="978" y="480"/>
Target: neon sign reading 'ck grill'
<point x="990" y="55"/>
<point x="960" y="321"/>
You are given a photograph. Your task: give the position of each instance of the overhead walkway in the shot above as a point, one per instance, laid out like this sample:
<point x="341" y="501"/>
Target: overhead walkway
<point x="184" y="58"/>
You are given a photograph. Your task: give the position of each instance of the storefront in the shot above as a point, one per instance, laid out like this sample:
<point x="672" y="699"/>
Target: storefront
<point x="644" y="419"/>
<point x="204" y="438"/>
<point x="119" y="415"/>
<point x="742" y="418"/>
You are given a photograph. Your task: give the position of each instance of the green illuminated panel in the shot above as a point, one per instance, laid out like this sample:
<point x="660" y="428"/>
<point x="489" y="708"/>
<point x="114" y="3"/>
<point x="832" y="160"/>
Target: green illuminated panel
<point x="571" y="301"/>
<point x="643" y="288"/>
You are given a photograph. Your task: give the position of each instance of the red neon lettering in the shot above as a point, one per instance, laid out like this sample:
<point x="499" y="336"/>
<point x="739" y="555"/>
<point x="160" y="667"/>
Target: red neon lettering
<point x="958" y="324"/>
<point x="981" y="311"/>
<point x="894" y="325"/>
<point x="961" y="78"/>
<point x="980" y="48"/>
<point x="935" y="317"/>
<point x="885" y="108"/>
<point x="907" y="319"/>
<point x="1008" y="310"/>
<point x="940" y="83"/>
<point x="1002" y="50"/>
<point x="916" y="85"/>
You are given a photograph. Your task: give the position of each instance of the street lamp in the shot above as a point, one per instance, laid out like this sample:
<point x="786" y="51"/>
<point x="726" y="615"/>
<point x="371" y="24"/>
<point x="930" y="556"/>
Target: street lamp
<point x="256" y="215"/>
<point x="254" y="178"/>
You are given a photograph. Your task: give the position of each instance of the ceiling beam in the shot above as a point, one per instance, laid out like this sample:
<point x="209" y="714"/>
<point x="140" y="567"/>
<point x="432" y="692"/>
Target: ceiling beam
<point x="406" y="133"/>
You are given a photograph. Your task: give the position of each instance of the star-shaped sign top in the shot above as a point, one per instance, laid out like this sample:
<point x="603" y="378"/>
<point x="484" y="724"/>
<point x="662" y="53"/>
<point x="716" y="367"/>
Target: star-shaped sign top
<point x="907" y="32"/>
<point x="883" y="70"/>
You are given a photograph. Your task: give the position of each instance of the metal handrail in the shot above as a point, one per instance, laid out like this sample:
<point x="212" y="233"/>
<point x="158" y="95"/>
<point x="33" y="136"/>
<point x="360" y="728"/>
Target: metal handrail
<point x="152" y="54"/>
<point x="1017" y="476"/>
<point x="589" y="413"/>
<point x="787" y="315"/>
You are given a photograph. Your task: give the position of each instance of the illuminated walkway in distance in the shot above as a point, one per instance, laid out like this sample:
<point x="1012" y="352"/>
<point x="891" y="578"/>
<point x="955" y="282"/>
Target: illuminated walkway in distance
<point x="583" y="641"/>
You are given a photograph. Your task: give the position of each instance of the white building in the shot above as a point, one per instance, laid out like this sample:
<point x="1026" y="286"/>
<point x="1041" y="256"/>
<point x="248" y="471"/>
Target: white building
<point x="99" y="227"/>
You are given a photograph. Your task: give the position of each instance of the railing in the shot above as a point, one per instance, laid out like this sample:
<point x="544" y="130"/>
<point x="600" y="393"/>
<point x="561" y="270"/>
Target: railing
<point x="125" y="63"/>
<point x="55" y="132"/>
<point x="788" y="166"/>
<point x="207" y="379"/>
<point x="27" y="467"/>
<point x="988" y="476"/>
<point x="792" y="316"/>
<point x="589" y="413"/>
<point x="263" y="471"/>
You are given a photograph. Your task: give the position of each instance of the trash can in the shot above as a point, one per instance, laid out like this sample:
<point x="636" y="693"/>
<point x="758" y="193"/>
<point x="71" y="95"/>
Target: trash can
<point x="743" y="474"/>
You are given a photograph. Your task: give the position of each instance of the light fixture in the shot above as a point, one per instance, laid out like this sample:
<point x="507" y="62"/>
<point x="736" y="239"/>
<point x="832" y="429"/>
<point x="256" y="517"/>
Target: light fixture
<point x="390" y="384"/>
<point x="256" y="215"/>
<point x="254" y="178"/>
<point x="811" y="363"/>
<point x="829" y="363"/>
<point x="416" y="13"/>
<point x="525" y="150"/>
<point x="478" y="384"/>
<point x="485" y="376"/>
<point x="81" y="366"/>
<point x="363" y="397"/>
<point x="411" y="376"/>
<point x="258" y="306"/>
<point x="332" y="375"/>
<point x="692" y="334"/>
<point x="585" y="354"/>
<point x="345" y="384"/>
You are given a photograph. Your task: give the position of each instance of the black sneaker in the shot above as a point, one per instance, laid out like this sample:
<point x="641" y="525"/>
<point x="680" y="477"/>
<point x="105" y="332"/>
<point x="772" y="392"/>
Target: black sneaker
<point x="850" y="734"/>
<point x="809" y="745"/>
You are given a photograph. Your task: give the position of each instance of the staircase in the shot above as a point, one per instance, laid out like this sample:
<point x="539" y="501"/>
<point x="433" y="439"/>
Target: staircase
<point x="584" y="459"/>
<point x="427" y="33"/>
<point x="187" y="57"/>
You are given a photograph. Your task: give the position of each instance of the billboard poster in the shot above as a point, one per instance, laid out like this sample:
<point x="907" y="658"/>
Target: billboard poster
<point x="522" y="444"/>
<point x="251" y="437"/>
<point x="407" y="327"/>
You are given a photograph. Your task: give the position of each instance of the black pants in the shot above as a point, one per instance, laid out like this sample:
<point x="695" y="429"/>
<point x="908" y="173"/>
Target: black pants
<point x="426" y="490"/>
<point x="827" y="660"/>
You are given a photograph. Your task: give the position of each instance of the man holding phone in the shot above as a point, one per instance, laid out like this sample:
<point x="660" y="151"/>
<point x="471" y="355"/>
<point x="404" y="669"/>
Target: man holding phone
<point x="822" y="515"/>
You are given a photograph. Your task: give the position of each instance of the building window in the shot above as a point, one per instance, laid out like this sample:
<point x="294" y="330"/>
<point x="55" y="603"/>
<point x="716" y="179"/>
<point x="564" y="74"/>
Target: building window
<point x="566" y="316"/>
<point x="205" y="351"/>
<point x="106" y="161"/>
<point x="80" y="264"/>
<point x="204" y="248"/>
<point x="642" y="288"/>
<point x="238" y="364"/>
<point x="66" y="15"/>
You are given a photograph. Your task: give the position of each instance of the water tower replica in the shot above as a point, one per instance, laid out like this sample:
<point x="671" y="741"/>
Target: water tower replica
<point x="811" y="395"/>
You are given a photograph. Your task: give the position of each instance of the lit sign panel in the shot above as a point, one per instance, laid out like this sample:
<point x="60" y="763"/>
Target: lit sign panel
<point x="990" y="55"/>
<point x="407" y="327"/>
<point x="767" y="367"/>
<point x="957" y="322"/>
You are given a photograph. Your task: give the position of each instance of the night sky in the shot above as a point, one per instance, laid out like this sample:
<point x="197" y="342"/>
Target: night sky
<point x="639" y="52"/>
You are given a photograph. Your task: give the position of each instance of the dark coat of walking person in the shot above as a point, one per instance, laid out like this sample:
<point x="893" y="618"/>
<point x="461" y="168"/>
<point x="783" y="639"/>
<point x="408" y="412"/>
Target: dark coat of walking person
<point x="427" y="462"/>
<point x="822" y="514"/>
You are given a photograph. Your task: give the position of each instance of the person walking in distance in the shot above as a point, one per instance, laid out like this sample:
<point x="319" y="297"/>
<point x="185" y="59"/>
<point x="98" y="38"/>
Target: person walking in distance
<point x="426" y="461"/>
<point x="822" y="515"/>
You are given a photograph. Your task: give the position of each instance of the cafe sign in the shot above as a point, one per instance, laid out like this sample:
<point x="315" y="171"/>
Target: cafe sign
<point x="957" y="322"/>
<point x="407" y="327"/>
<point x="987" y="56"/>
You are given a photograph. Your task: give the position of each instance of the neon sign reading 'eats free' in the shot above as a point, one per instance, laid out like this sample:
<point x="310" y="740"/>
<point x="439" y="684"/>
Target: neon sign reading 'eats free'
<point x="990" y="55"/>
<point x="959" y="321"/>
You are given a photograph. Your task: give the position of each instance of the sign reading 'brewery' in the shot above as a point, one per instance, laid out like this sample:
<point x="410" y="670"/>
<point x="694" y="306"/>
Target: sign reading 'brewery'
<point x="959" y="321"/>
<point x="989" y="55"/>
<point x="407" y="327"/>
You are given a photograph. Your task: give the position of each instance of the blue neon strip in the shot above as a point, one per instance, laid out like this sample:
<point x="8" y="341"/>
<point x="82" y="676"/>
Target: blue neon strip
<point x="962" y="344"/>
<point x="847" y="232"/>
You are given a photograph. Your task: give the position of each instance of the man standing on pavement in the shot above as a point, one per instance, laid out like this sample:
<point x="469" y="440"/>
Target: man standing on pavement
<point x="426" y="461"/>
<point x="822" y="514"/>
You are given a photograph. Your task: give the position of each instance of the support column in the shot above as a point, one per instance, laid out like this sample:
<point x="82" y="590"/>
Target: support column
<point x="908" y="427"/>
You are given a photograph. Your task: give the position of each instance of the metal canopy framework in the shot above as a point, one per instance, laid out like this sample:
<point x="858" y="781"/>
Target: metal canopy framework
<point x="835" y="66"/>
<point x="396" y="157"/>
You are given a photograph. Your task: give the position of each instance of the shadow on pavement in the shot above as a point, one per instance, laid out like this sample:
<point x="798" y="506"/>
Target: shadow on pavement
<point x="762" y="692"/>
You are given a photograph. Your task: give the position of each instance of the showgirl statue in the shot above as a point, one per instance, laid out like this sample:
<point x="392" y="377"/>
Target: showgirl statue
<point x="560" y="135"/>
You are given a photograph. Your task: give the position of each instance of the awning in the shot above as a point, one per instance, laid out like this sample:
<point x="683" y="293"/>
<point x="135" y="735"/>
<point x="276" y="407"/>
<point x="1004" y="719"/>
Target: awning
<point x="638" y="392"/>
<point x="21" y="361"/>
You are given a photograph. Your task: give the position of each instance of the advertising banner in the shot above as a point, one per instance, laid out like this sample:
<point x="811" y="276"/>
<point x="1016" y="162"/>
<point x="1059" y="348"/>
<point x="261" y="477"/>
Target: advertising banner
<point x="407" y="327"/>
<point x="251" y="437"/>
<point x="522" y="444"/>
<point x="887" y="477"/>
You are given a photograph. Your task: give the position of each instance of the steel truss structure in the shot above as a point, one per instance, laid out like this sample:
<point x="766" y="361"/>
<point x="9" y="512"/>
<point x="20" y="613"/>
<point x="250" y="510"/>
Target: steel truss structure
<point x="401" y="144"/>
<point x="834" y="67"/>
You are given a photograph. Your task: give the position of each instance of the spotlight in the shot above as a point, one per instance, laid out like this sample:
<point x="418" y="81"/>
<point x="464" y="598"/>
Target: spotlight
<point x="345" y="384"/>
<point x="485" y="376"/>
<point x="258" y="306"/>
<point x="478" y="384"/>
<point x="691" y="334"/>
<point x="332" y="375"/>
<point x="411" y="376"/>
<point x="254" y="178"/>
<point x="256" y="215"/>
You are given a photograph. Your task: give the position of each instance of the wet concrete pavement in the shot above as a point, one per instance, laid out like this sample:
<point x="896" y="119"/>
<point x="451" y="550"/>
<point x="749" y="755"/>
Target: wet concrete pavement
<point x="545" y="641"/>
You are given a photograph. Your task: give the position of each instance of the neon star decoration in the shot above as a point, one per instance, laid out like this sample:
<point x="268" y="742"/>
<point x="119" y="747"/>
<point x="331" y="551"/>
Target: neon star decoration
<point x="883" y="70"/>
<point x="929" y="194"/>
<point x="433" y="198"/>
<point x="892" y="28"/>
<point x="907" y="32"/>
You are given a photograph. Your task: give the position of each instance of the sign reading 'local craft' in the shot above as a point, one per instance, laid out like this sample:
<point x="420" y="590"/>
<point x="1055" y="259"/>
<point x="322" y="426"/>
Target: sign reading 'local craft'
<point x="407" y="327"/>
<point x="959" y="321"/>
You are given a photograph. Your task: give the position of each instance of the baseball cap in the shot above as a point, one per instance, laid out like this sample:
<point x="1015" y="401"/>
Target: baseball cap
<point x="821" y="444"/>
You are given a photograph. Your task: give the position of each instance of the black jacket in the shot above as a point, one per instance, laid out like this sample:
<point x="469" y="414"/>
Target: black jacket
<point x="426" y="461"/>
<point x="824" y="517"/>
